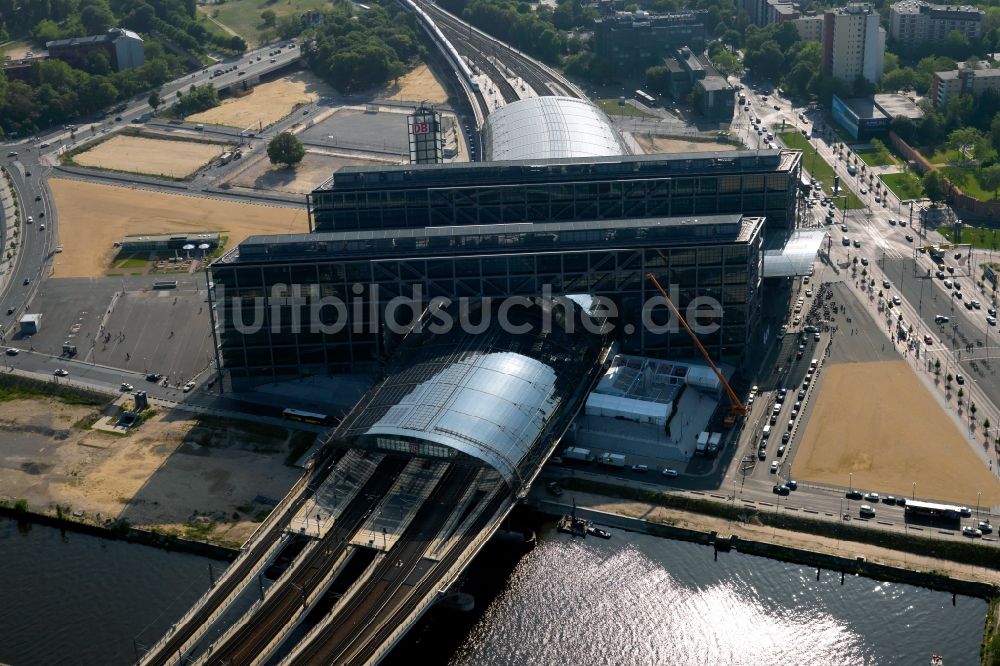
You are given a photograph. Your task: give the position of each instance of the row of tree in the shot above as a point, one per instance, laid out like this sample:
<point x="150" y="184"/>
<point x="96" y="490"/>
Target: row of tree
<point x="55" y="92"/>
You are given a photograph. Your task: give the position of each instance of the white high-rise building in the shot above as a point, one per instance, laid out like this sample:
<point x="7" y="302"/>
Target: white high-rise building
<point x="853" y="43"/>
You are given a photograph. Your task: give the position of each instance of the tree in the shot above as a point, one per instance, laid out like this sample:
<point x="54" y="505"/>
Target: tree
<point x="155" y="100"/>
<point x="935" y="186"/>
<point x="989" y="178"/>
<point x="727" y="64"/>
<point x="937" y="366"/>
<point x="965" y="140"/>
<point x="658" y="80"/>
<point x="268" y="18"/>
<point x="96" y="19"/>
<point x="961" y="394"/>
<point x="972" y="411"/>
<point x="285" y="149"/>
<point x="995" y="132"/>
<point x="948" y="379"/>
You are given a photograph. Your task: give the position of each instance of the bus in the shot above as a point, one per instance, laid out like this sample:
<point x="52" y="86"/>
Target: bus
<point x="645" y="98"/>
<point x="305" y="417"/>
<point x="165" y="284"/>
<point x="918" y="508"/>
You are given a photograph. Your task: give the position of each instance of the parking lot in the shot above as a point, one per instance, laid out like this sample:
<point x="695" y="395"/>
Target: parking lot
<point x="141" y="329"/>
<point x="384" y="131"/>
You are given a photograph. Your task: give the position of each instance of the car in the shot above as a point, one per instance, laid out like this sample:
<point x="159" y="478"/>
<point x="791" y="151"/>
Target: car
<point x="878" y="199"/>
<point x="892" y="221"/>
<point x="44" y="144"/>
<point x="950" y="269"/>
<point x="60" y="372"/>
<point x="780" y="490"/>
<point x="864" y="191"/>
<point x="774" y="467"/>
<point x="792" y="484"/>
<point x="976" y="304"/>
<point x="781" y="394"/>
<point x="960" y="379"/>
<point x="188" y="386"/>
<point x="802" y="394"/>
<point x="669" y="472"/>
<point x="785" y="437"/>
<point x="965" y="511"/>
<point x="762" y="454"/>
<point x="985" y="527"/>
<point x="886" y="284"/>
<point x="872" y="497"/>
<point x="909" y="238"/>
<point x="992" y="321"/>
<point x="957" y="295"/>
<point x="864" y="261"/>
<point x="843" y="228"/>
<point x="900" y="501"/>
<point x="971" y="532"/>
<point x="854" y="494"/>
<point x="12" y="153"/>
<point x="857" y="243"/>
<point x="810" y="329"/>
<point x="896" y="300"/>
<point x="273" y="60"/>
<point x="774" y="419"/>
<point x="968" y="305"/>
<point x="30" y="219"/>
<point x="777" y="107"/>
<point x="640" y="468"/>
<point x="940" y="319"/>
<point x="845" y="241"/>
<point x="125" y="387"/>
<point x="866" y="511"/>
<point x="153" y="377"/>
<point x="26" y="282"/>
<point x="991" y="311"/>
<point x="41" y="227"/>
<point x="41" y="213"/>
<point x="889" y="499"/>
<point x="242" y="74"/>
<point x="816" y="337"/>
<point x="939" y="275"/>
<point x="11" y="351"/>
<point x="928" y="340"/>
<point x="781" y="450"/>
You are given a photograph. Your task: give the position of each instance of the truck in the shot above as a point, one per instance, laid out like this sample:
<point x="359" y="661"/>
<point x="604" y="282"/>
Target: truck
<point x="701" y="445"/>
<point x="612" y="459"/>
<point x="577" y="454"/>
<point x="714" y="442"/>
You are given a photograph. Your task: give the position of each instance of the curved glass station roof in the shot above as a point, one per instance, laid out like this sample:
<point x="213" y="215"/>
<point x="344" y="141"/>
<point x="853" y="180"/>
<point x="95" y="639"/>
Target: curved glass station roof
<point x="548" y="128"/>
<point x="492" y="396"/>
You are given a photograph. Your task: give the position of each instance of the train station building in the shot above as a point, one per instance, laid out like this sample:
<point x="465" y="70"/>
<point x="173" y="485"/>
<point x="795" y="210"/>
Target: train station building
<point x="327" y="302"/>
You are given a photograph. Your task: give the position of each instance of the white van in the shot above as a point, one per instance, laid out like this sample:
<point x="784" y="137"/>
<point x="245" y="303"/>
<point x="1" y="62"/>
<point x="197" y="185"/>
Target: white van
<point x="766" y="432"/>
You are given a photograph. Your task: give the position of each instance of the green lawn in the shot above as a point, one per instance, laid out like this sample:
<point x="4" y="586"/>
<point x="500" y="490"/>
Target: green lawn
<point x="942" y="156"/>
<point x="613" y="108"/>
<point x="904" y="185"/>
<point x="131" y="262"/>
<point x="819" y="169"/>
<point x="967" y="182"/>
<point x="243" y="16"/>
<point x="980" y="237"/>
<point x="873" y="157"/>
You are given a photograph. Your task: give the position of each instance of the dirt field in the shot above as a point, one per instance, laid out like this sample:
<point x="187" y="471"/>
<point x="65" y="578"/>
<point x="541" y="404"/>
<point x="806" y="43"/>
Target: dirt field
<point x="657" y="144"/>
<point x="267" y="104"/>
<point x="172" y="473"/>
<point x="420" y="85"/>
<point x="888" y="442"/>
<point x="92" y="217"/>
<point x="155" y="157"/>
<point x="314" y="170"/>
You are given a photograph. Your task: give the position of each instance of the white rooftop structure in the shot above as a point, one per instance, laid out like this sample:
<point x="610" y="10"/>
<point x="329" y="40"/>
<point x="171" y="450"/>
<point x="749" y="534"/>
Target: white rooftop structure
<point x="548" y="128"/>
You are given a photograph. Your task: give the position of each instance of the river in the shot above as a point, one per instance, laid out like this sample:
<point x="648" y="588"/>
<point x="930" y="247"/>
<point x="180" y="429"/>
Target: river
<point x="636" y="599"/>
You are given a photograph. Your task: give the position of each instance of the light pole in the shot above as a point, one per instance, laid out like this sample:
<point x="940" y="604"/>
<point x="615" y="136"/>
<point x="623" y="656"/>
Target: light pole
<point x="978" y="497"/>
<point x="850" y="481"/>
<point x="913" y="496"/>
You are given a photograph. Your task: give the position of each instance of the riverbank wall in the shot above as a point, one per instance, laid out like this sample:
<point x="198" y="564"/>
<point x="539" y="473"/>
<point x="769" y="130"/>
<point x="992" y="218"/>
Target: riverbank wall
<point x="122" y="532"/>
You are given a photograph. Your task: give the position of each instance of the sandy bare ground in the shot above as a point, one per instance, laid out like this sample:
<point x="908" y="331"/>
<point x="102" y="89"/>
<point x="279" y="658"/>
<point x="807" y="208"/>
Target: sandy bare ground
<point x="889" y="435"/>
<point x="167" y="475"/>
<point x="420" y="85"/>
<point x="822" y="544"/>
<point x="92" y="217"/>
<point x="312" y="171"/>
<point x="267" y="104"/>
<point x="156" y="157"/>
<point x="657" y="144"/>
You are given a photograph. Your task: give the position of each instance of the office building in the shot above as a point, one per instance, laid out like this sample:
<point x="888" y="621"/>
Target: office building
<point x="867" y="117"/>
<point x="965" y="80"/>
<point x="914" y="23"/>
<point x="635" y="39"/>
<point x="124" y="49"/>
<point x="853" y="43"/>
<point x="766" y="12"/>
<point x="562" y="224"/>
<point x="714" y="97"/>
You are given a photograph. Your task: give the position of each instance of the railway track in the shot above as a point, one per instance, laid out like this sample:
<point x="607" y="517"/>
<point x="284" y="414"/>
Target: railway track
<point x="530" y="72"/>
<point x="336" y="643"/>
<point x="280" y="607"/>
<point x="170" y="648"/>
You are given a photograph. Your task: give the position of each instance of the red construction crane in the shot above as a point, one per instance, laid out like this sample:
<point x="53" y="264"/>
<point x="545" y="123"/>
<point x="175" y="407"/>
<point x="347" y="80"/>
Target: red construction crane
<point x="736" y="407"/>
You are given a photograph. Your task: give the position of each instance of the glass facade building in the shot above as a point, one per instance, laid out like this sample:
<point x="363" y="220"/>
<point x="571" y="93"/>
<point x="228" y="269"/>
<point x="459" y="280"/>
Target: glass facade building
<point x="310" y="304"/>
<point x="758" y="184"/>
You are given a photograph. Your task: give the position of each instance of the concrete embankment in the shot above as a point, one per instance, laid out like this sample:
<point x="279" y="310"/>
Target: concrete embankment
<point x="724" y="541"/>
<point x="122" y="532"/>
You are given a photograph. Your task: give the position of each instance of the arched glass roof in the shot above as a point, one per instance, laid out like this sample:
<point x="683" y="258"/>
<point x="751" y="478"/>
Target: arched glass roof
<point x="550" y="127"/>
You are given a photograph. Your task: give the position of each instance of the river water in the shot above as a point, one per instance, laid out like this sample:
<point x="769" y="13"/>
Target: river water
<point x="636" y="599"/>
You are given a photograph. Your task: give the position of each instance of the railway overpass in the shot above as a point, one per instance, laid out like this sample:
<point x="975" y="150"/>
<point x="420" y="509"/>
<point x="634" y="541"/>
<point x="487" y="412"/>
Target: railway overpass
<point x="414" y="481"/>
